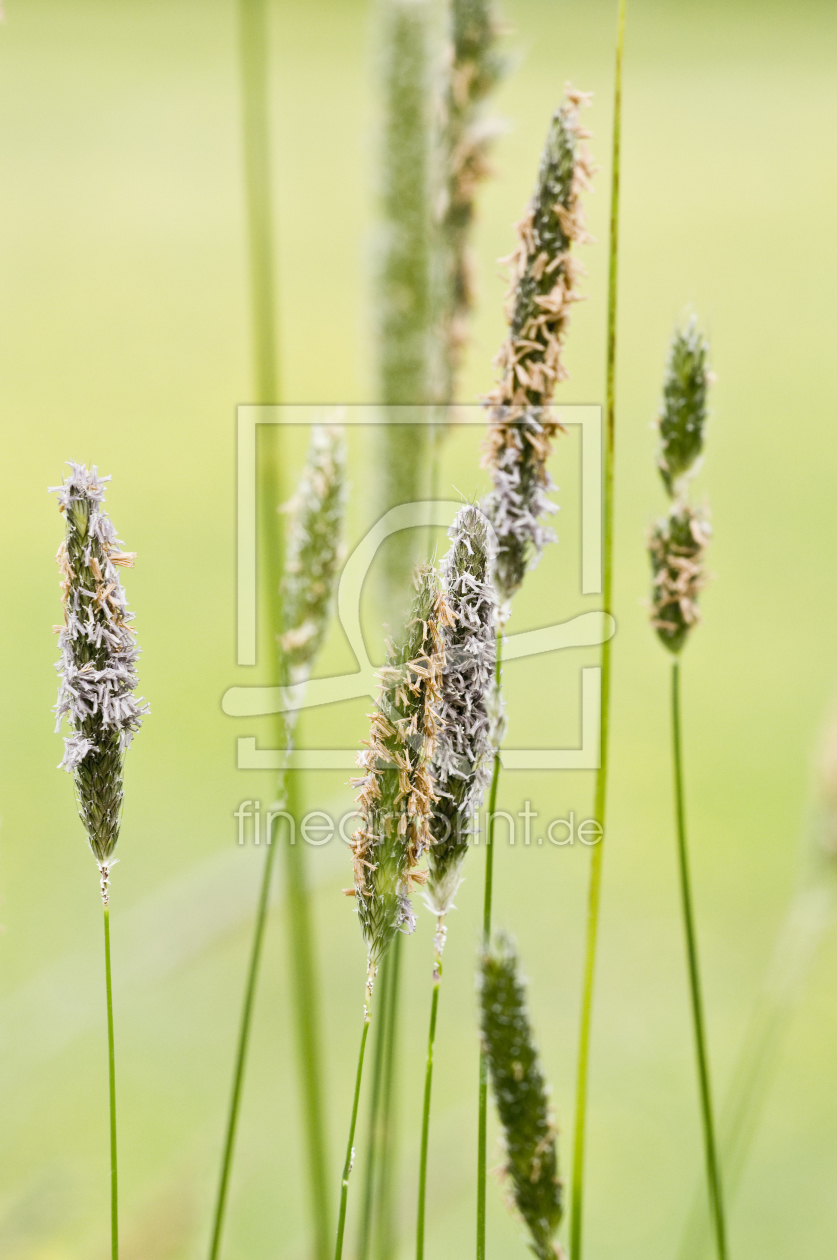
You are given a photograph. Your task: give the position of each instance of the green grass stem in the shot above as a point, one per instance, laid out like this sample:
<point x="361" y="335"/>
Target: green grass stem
<point x="307" y="1022"/>
<point x="241" y="1052"/>
<point x="482" y="1114"/>
<point x="252" y="23"/>
<point x="384" y="1218"/>
<point x="594" y="893"/>
<point x="713" y="1173"/>
<point x="425" y="1115"/>
<point x="114" y="1179"/>
<point x="370" y="1169"/>
<point x="809" y="916"/>
<point x="350" y="1149"/>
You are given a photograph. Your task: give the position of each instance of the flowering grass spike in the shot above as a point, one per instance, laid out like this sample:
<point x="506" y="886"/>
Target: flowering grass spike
<point x="544" y="286"/>
<point x="314" y="550"/>
<point x="462" y="755"/>
<point x="677" y="545"/>
<point x="98" y="660"/>
<point x="475" y="69"/>
<point x="522" y="1097"/>
<point x="683" y="414"/>
<point x="396" y="794"/>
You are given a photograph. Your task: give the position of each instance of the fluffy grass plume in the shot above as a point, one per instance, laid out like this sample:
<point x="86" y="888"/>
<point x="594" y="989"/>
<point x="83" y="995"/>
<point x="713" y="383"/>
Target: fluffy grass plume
<point x="396" y="795"/>
<point x="473" y="72"/>
<point x="522" y="1097"/>
<point x="462" y="756"/>
<point x="98" y="660"/>
<point x="314" y="550"/>
<point x="544" y="286"/>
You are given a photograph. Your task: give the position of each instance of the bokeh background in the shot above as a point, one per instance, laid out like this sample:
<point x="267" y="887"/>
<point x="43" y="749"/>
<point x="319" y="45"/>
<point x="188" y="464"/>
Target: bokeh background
<point x="125" y="341"/>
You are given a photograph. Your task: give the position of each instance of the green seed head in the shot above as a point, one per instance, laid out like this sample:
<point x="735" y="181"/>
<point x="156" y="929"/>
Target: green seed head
<point x="314" y="550"/>
<point x="522" y="1097"/>
<point x="683" y="415"/>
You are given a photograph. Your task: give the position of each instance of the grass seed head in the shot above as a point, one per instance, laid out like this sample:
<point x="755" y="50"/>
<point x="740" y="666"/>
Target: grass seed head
<point x="676" y="546"/>
<point x="462" y="756"/>
<point x="544" y="287"/>
<point x="522" y="1097"/>
<point x="396" y="792"/>
<point x="314" y="550"/>
<point x="98" y="660"/>
<point x="473" y="71"/>
<point x="684" y="409"/>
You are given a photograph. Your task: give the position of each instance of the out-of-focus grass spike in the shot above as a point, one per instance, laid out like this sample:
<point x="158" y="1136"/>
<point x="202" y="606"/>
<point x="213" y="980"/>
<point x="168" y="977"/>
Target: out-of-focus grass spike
<point x="474" y="69"/>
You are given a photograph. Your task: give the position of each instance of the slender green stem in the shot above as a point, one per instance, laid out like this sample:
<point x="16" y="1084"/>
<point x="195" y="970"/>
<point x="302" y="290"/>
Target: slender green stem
<point x="713" y="1173"/>
<point x="594" y="893"/>
<point x="425" y="1118"/>
<point x="306" y="1002"/>
<point x="350" y="1149"/>
<point x="252" y="15"/>
<point x="482" y="1120"/>
<point x="387" y="1161"/>
<point x="373" y="1135"/>
<point x="241" y="1052"/>
<point x="809" y="915"/>
<point x="114" y="1185"/>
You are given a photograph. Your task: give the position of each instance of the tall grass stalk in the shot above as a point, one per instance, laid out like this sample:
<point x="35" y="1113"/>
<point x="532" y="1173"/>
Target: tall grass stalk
<point x="521" y="428"/>
<point x="676" y="546"/>
<point x="368" y="1194"/>
<point x="253" y="49"/>
<point x="97" y="670"/>
<point x="809" y="916"/>
<point x="312" y="557"/>
<point x="707" y="1116"/>
<point x="250" y="984"/>
<point x="404" y="300"/>
<point x="350" y="1145"/>
<point x="461" y="758"/>
<point x="255" y="131"/>
<point x="488" y="890"/>
<point x="395" y="800"/>
<point x="114" y="1177"/>
<point x="600" y="803"/>
<point x="387" y="1148"/>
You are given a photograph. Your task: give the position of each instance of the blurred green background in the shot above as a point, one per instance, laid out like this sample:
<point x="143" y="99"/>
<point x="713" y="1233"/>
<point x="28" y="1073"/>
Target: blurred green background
<point x="125" y="341"/>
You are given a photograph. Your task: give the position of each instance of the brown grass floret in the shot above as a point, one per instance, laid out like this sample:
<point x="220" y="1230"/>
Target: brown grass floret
<point x="396" y="790"/>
